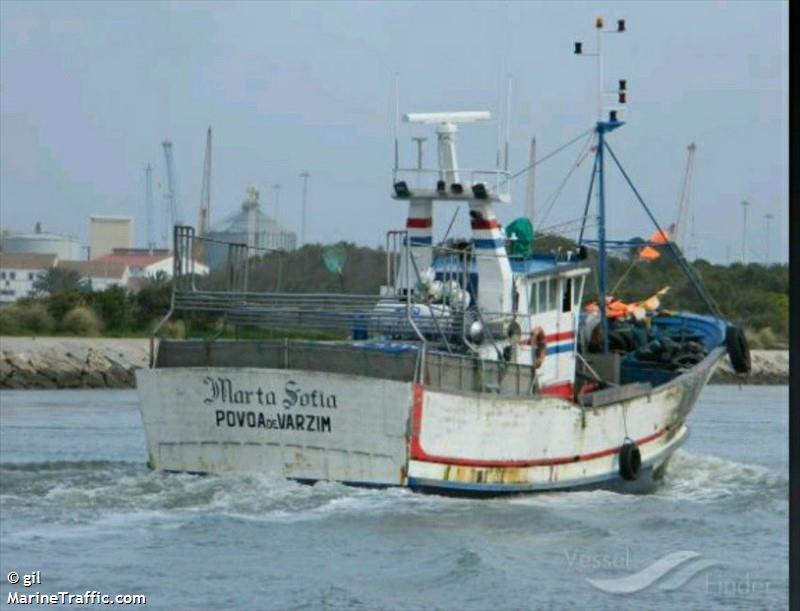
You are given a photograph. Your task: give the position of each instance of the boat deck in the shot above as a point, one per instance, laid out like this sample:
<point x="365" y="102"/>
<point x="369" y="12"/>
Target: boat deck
<point x="404" y="362"/>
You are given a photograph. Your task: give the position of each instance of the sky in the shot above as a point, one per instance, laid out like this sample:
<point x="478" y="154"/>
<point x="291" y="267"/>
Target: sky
<point x="88" y="91"/>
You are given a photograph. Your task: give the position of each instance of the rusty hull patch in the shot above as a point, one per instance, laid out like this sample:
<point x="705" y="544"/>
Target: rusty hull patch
<point x="486" y="475"/>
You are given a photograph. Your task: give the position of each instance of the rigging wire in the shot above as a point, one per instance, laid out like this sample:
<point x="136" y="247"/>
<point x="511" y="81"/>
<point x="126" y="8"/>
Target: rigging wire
<point x="578" y="161"/>
<point x="548" y="156"/>
<point x="450" y="226"/>
<point x="625" y="275"/>
<point x="566" y="227"/>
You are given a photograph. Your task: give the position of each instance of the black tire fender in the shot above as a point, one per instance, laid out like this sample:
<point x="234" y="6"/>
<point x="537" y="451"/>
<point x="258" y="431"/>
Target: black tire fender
<point x="630" y="460"/>
<point x="738" y="349"/>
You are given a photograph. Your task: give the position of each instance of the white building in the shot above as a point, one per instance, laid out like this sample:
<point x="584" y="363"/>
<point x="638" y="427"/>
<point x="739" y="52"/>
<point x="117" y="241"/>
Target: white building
<point x="18" y="271"/>
<point x="109" y="232"/>
<point x="147" y="263"/>
<point x="99" y="274"/>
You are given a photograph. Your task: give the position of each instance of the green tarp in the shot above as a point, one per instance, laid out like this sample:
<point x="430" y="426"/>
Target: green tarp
<point x="520" y="233"/>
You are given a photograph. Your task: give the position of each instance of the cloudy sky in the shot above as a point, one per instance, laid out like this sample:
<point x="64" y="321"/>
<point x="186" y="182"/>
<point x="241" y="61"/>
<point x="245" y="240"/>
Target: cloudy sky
<point x="89" y="91"/>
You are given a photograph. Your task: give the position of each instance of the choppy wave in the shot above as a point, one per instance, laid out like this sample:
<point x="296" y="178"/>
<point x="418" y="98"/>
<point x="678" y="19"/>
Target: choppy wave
<point x="706" y="479"/>
<point x="119" y="486"/>
<point x="99" y="487"/>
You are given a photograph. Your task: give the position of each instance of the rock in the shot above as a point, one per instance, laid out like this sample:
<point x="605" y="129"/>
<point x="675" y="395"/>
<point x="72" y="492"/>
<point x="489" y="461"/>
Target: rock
<point x="768" y="367"/>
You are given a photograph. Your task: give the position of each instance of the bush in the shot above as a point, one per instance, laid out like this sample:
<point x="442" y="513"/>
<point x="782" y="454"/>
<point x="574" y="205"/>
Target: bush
<point x="10" y="323"/>
<point x="753" y="339"/>
<point x="58" y="305"/>
<point x="767" y="338"/>
<point x="114" y="308"/>
<point x="29" y="318"/>
<point x="36" y="319"/>
<point x="82" y="321"/>
<point x="174" y="329"/>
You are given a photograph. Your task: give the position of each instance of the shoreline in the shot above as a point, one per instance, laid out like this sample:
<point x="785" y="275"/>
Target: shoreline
<point x="50" y="363"/>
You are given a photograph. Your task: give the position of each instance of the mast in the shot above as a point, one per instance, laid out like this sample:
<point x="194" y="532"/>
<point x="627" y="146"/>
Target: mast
<point x="602" y="128"/>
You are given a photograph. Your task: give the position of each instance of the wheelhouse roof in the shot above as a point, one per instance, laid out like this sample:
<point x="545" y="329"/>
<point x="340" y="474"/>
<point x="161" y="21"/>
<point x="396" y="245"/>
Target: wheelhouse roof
<point x="530" y="266"/>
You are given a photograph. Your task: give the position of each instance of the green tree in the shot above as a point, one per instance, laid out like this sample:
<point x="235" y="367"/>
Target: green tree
<point x="57" y="280"/>
<point x="152" y="301"/>
<point x="114" y="307"/>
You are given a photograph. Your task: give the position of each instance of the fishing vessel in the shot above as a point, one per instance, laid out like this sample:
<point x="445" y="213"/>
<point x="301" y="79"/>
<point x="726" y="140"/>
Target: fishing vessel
<point x="477" y="369"/>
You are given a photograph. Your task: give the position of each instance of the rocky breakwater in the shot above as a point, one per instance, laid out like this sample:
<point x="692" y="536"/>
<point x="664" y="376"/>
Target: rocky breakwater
<point x="55" y="362"/>
<point x="768" y="367"/>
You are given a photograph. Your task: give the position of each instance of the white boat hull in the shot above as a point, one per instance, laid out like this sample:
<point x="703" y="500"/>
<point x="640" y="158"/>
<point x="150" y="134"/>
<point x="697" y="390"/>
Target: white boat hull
<point x="313" y="426"/>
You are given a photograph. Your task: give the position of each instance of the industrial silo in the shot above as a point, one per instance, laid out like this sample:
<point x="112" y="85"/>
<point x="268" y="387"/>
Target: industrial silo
<point x="65" y="247"/>
<point x="248" y="225"/>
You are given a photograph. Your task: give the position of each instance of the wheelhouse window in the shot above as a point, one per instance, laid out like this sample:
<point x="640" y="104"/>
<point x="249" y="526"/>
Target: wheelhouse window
<point x="533" y="293"/>
<point x="577" y="292"/>
<point x="566" y="295"/>
<point x="542" y="297"/>
<point x="552" y="294"/>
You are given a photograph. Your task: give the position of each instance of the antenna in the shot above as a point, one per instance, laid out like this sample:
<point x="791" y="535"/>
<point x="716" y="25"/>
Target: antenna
<point x="621" y="92"/>
<point x="420" y="142"/>
<point x="508" y="119"/>
<point x="396" y="120"/>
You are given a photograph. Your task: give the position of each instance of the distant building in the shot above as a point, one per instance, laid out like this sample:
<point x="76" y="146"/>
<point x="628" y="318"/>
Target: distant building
<point x="107" y="233"/>
<point x="250" y="226"/>
<point x="147" y="263"/>
<point x="18" y="272"/>
<point x="100" y="275"/>
<point x="43" y="243"/>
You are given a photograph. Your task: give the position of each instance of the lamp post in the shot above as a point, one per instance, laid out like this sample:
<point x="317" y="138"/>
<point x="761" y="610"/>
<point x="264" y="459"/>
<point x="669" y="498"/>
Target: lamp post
<point x="304" y="175"/>
<point x="277" y="189"/>
<point x="767" y="218"/>
<point x="745" y="204"/>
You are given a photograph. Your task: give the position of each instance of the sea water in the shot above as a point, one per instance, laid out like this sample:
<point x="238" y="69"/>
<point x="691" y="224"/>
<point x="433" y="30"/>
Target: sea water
<point x="78" y="504"/>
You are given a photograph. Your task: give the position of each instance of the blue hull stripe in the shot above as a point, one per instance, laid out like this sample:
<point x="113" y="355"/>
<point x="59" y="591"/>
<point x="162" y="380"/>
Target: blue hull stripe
<point x="561" y="348"/>
<point x="415" y="241"/>
<point x="491" y="244"/>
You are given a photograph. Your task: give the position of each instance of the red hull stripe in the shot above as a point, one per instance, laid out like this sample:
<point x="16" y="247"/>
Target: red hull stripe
<point x="417" y="453"/>
<point x="560" y="337"/>
<point x="485" y="224"/>
<point x="558" y="390"/>
<point x="412" y="223"/>
<point x="553" y="337"/>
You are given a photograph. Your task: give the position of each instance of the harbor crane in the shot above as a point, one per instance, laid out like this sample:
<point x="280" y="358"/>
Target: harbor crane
<point x="171" y="196"/>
